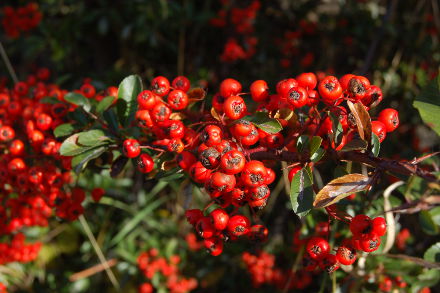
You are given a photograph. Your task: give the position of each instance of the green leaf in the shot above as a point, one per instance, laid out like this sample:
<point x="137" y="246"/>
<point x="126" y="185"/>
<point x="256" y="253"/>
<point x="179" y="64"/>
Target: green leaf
<point x="104" y="104"/>
<point x="435" y="215"/>
<point x="301" y="192"/>
<point x="302" y="143"/>
<point x="69" y="147"/>
<point x="337" y="130"/>
<point x="428" y="104"/>
<point x="433" y="253"/>
<point x="356" y="144"/>
<point x="426" y="279"/>
<point x="49" y="100"/>
<point x="92" y="138"/>
<point x="132" y="223"/>
<point x="80" y="162"/>
<point x="375" y="144"/>
<point x="64" y="130"/>
<point x="111" y="119"/>
<point x="79" y="100"/>
<point x="127" y="105"/>
<point x="264" y="122"/>
<point x="315" y="143"/>
<point x="427" y="223"/>
<point x="316" y="156"/>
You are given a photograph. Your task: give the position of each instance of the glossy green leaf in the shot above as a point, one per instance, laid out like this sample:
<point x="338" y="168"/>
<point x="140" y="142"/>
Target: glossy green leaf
<point x="356" y="144"/>
<point x="264" y="122"/>
<point x="64" y="130"/>
<point x="92" y="138"/>
<point x="302" y="143"/>
<point x="301" y="192"/>
<point x="428" y="104"/>
<point x="427" y="223"/>
<point x="79" y="100"/>
<point x="315" y="143"/>
<point x="80" y="161"/>
<point x="375" y="144"/>
<point x="316" y="156"/>
<point x="337" y="130"/>
<point x="104" y="104"/>
<point x="432" y="254"/>
<point x="111" y="119"/>
<point x="127" y="104"/>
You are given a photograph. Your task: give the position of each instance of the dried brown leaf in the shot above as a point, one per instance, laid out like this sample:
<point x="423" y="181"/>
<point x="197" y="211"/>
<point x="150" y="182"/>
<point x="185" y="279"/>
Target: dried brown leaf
<point x="339" y="188"/>
<point x="215" y="114"/>
<point x="196" y="94"/>
<point x="363" y="120"/>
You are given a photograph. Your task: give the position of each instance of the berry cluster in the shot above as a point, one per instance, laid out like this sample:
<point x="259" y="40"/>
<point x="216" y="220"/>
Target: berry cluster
<point x="388" y="283"/>
<point x="264" y="271"/>
<point x="217" y="155"/>
<point x="242" y="21"/>
<point x="20" y="19"/>
<point x="150" y="263"/>
<point x="34" y="177"/>
<point x="366" y="237"/>
<point x="18" y="251"/>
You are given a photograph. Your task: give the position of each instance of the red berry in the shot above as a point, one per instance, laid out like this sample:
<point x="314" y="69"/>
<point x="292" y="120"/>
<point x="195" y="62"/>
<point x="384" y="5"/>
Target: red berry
<point x="253" y="174"/>
<point x="230" y="87"/>
<point x="177" y="100"/>
<point x="360" y="225"/>
<point x="232" y="162"/>
<point x="371" y="244"/>
<point x="214" y="245"/>
<point x="131" y="148"/>
<point x="238" y="225"/>
<point x="219" y="218"/>
<point x="379" y="129"/>
<point x="234" y="107"/>
<point x="317" y="247"/>
<point x="330" y="90"/>
<point x="329" y="263"/>
<point x="145" y="163"/>
<point x="284" y="86"/>
<point x="390" y="118"/>
<point x="147" y="100"/>
<point x="97" y="194"/>
<point x="307" y="80"/>
<point x="346" y="255"/>
<point x="297" y="97"/>
<point x="193" y="216"/>
<point x="160" y="86"/>
<point x="205" y="228"/>
<point x="358" y="87"/>
<point x="379" y="226"/>
<point x="181" y="83"/>
<point x="259" y="90"/>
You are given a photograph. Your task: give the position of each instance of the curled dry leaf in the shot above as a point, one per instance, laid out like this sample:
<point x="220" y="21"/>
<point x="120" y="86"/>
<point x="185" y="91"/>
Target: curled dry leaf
<point x="215" y="114"/>
<point x="363" y="120"/>
<point x="196" y="94"/>
<point x="339" y="188"/>
<point x="168" y="165"/>
<point x="177" y="116"/>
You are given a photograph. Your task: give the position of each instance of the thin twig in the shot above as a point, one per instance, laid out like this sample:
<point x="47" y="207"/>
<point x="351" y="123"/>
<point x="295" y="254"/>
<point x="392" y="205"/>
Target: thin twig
<point x="99" y="253"/>
<point x="92" y="270"/>
<point x="8" y="63"/>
